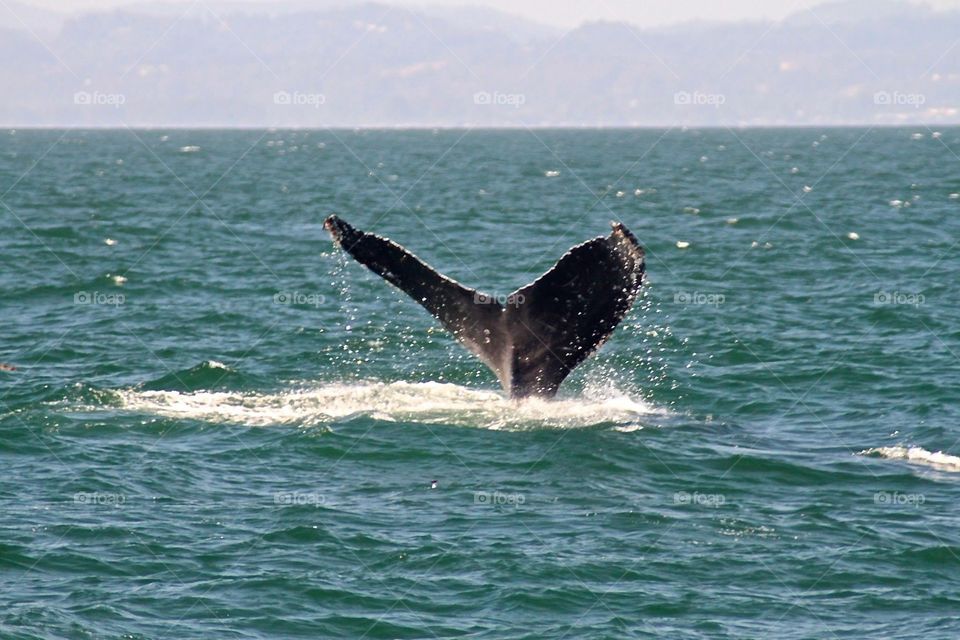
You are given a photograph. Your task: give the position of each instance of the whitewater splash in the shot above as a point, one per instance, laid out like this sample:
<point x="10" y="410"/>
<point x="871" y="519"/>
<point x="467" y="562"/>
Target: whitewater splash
<point x="918" y="455"/>
<point x="429" y="402"/>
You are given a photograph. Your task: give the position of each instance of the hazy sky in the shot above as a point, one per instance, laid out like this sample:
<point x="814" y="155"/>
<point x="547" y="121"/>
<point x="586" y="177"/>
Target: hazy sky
<point x="566" y="13"/>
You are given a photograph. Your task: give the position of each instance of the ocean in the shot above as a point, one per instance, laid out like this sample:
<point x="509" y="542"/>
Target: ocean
<point x="217" y="425"/>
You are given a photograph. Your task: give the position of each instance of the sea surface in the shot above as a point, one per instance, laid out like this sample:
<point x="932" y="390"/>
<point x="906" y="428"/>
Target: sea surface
<point x="219" y="426"/>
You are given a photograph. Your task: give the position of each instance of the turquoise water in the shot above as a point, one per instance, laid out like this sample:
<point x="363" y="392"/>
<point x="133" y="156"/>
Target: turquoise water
<point x="219" y="427"/>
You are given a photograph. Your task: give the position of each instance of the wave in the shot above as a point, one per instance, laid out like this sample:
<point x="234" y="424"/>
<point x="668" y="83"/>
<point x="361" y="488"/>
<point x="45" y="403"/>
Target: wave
<point x="207" y="374"/>
<point x="918" y="455"/>
<point x="429" y="402"/>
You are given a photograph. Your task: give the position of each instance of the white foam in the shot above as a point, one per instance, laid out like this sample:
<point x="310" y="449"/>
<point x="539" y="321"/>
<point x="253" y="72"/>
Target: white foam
<point x="918" y="455"/>
<point x="430" y="403"/>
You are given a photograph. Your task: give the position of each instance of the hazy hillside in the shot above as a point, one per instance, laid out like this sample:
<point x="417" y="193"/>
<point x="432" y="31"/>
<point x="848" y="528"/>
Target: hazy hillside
<point x="875" y="62"/>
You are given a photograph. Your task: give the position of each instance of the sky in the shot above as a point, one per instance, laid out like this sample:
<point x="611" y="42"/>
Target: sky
<point x="566" y="13"/>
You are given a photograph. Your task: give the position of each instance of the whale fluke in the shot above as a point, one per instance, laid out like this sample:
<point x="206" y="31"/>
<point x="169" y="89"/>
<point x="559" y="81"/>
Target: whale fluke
<point x="544" y="330"/>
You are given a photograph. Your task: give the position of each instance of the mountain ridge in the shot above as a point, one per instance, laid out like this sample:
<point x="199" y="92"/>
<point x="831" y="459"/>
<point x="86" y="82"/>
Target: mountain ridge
<point x="383" y="65"/>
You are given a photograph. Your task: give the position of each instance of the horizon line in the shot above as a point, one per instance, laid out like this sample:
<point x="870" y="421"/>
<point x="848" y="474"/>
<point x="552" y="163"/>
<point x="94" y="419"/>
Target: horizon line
<point x="464" y="127"/>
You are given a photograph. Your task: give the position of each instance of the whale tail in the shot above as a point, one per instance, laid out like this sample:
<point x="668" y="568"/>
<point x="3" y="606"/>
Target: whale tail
<point x="544" y="330"/>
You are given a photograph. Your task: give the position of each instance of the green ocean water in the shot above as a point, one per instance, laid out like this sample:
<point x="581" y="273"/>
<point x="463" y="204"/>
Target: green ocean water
<point x="220" y="427"/>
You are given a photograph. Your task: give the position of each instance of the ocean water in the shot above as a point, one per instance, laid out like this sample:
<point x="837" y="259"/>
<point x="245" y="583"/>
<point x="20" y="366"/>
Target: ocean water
<point x="220" y="427"/>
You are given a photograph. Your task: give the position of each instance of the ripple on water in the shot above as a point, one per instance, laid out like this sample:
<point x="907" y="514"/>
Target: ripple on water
<point x="917" y="455"/>
<point x="430" y="403"/>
